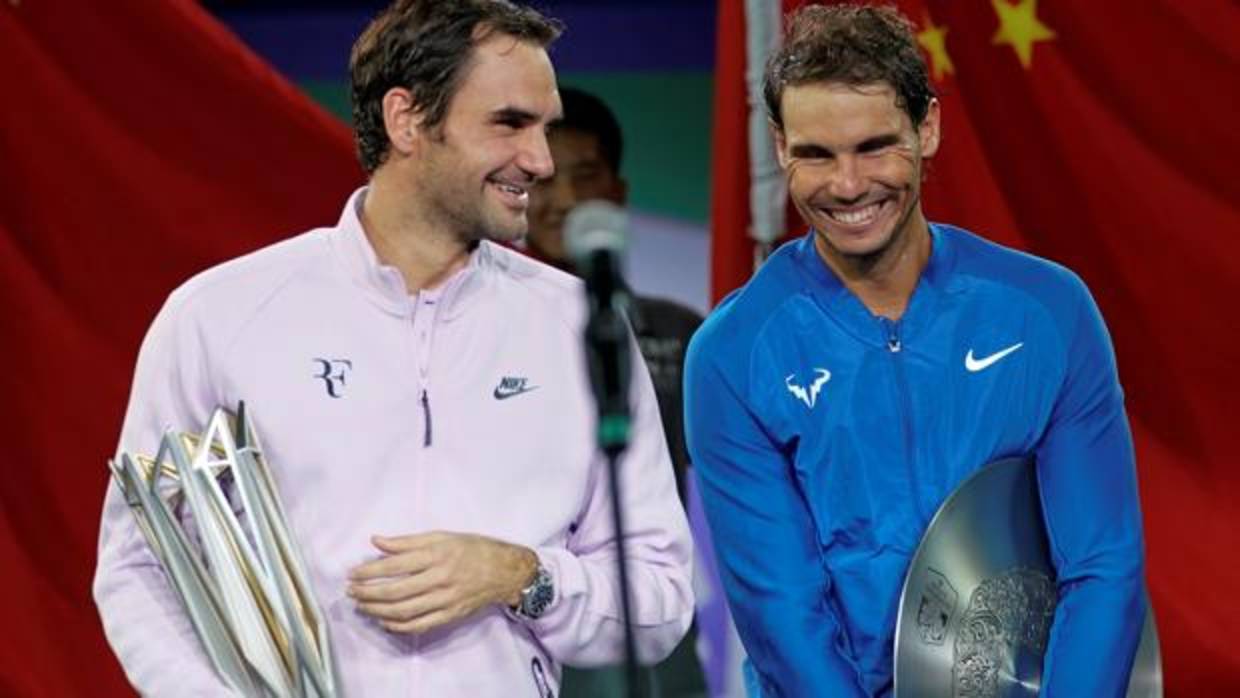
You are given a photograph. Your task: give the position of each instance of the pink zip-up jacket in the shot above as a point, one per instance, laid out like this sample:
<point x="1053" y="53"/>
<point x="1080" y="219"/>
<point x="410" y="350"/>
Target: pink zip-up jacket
<point x="462" y="408"/>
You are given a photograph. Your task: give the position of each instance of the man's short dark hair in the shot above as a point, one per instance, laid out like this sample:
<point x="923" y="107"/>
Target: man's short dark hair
<point x="851" y="44"/>
<point x="588" y="114"/>
<point x="425" y="46"/>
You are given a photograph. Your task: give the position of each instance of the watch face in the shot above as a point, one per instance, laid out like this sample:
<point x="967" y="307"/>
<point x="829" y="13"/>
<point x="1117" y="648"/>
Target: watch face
<point x="537" y="597"/>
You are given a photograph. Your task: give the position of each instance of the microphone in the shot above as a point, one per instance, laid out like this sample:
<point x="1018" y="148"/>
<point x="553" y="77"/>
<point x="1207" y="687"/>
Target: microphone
<point x="595" y="237"/>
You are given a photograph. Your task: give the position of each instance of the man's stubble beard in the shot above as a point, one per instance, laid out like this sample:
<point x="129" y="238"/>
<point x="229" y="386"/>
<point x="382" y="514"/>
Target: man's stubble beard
<point x="463" y="214"/>
<point x="866" y="262"/>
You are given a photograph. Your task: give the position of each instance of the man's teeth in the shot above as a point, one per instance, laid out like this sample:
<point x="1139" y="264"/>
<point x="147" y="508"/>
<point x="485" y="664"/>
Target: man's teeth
<point x="511" y="188"/>
<point x="858" y="216"/>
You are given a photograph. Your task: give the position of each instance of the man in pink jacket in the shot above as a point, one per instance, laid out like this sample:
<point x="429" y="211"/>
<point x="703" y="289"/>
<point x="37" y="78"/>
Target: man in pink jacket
<point x="423" y="398"/>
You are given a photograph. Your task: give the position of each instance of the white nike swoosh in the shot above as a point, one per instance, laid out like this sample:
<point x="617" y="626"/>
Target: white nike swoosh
<point x="974" y="365"/>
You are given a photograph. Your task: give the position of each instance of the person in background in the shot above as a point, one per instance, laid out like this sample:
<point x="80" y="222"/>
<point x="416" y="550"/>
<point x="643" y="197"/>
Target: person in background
<point x="840" y="396"/>
<point x="586" y="147"/>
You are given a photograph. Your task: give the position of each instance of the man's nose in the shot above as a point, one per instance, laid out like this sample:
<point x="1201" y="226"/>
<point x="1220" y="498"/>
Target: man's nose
<point x="847" y="181"/>
<point x="535" y="155"/>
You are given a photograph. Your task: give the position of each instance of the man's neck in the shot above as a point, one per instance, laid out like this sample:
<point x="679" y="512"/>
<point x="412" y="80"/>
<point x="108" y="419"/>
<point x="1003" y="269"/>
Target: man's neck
<point x="404" y="237"/>
<point x="885" y="284"/>
<point x="533" y="249"/>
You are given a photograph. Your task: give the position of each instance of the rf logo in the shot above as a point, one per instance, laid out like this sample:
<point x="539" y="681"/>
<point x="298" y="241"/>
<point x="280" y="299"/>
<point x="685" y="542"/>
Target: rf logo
<point x="332" y="373"/>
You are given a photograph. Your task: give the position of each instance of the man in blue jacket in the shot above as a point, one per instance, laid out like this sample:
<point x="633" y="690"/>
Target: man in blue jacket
<point x="835" y="401"/>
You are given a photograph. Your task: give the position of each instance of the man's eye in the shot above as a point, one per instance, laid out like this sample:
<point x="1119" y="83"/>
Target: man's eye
<point x="881" y="145"/>
<point x="811" y="154"/>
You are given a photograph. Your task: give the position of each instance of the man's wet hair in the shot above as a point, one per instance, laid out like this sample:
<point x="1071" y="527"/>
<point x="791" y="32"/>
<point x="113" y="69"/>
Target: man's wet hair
<point x="853" y="45"/>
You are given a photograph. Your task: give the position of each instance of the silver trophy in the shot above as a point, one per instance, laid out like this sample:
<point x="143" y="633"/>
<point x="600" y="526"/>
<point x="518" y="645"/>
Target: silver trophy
<point x="980" y="595"/>
<point x="236" y="569"/>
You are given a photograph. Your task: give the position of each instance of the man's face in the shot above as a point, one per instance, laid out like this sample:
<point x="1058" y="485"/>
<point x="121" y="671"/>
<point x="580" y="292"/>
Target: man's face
<point x="854" y="161"/>
<point x="581" y="173"/>
<point x="474" y="176"/>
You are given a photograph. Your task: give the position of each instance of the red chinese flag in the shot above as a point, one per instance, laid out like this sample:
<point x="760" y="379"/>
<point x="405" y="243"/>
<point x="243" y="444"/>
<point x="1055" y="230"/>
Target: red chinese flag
<point x="731" y="250"/>
<point x="1103" y="136"/>
<point x="140" y="142"/>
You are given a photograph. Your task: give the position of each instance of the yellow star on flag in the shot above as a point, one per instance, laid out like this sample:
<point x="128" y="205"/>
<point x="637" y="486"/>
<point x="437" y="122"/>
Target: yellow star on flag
<point x="934" y="40"/>
<point x="1020" y="28"/>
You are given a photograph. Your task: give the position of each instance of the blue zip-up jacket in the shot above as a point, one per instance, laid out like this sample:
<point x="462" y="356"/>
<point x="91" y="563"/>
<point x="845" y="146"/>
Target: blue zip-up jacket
<point x="825" y="438"/>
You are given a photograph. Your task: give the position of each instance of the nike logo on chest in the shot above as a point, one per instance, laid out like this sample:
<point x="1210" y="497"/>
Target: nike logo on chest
<point x="973" y="364"/>
<point x="511" y="386"/>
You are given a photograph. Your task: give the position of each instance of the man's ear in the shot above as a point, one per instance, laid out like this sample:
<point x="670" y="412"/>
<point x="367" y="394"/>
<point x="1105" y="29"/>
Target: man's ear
<point x="401" y="121"/>
<point x="930" y="131"/>
<point x="781" y="143"/>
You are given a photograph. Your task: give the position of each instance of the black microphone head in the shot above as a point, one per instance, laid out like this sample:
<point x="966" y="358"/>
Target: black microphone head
<point x="595" y="226"/>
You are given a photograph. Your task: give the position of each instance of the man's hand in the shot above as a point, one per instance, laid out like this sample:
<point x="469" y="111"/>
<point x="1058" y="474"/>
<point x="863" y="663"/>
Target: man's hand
<point x="428" y="580"/>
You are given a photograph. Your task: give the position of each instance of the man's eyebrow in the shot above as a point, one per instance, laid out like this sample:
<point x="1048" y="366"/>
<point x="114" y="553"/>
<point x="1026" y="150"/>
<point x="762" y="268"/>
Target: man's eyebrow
<point x="816" y="150"/>
<point x="878" y="142"/>
<point x="809" y="150"/>
<point x="513" y="115"/>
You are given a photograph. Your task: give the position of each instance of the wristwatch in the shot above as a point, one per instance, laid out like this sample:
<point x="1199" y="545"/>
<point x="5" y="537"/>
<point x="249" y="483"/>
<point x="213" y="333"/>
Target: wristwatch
<point x="537" y="597"/>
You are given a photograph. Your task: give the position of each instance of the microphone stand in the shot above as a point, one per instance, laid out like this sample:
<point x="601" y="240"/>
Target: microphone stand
<point x="609" y="350"/>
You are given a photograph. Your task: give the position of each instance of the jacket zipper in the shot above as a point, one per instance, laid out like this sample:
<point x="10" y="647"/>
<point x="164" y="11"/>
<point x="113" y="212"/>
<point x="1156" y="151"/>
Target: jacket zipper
<point x="424" y="321"/>
<point x="426" y="418"/>
<point x="895" y="348"/>
<point x="540" y="679"/>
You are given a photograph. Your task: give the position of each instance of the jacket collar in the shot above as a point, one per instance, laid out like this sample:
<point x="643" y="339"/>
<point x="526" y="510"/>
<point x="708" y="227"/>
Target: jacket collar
<point x="834" y="297"/>
<point x="383" y="284"/>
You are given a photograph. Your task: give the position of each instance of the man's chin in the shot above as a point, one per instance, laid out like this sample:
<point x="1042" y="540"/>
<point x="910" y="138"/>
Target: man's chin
<point x="506" y="234"/>
<point x="857" y="246"/>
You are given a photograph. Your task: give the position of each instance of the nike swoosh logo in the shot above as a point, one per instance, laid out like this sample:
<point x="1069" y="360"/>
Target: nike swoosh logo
<point x="974" y="365"/>
<point x="505" y="393"/>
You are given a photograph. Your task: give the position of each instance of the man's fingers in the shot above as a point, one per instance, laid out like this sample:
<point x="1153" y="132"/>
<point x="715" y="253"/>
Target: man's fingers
<point x="395" y="544"/>
<point x="400" y="544"/>
<point x="406" y="563"/>
<point x="404" y="610"/>
<point x="422" y="624"/>
<point x="391" y="590"/>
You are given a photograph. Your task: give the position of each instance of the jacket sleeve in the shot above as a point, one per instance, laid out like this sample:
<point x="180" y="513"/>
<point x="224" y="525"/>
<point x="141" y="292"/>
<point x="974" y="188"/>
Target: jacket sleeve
<point x="584" y="625"/>
<point x="141" y="613"/>
<point x="1089" y="499"/>
<point x="778" y="588"/>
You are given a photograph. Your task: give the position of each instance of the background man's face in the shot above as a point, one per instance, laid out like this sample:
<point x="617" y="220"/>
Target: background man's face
<point x="475" y="177"/>
<point x="854" y="162"/>
<point x="581" y="173"/>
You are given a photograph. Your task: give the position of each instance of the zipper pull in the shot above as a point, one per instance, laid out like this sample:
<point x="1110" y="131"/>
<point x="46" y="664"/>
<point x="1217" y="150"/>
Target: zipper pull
<point x="893" y="335"/>
<point x="426" y="419"/>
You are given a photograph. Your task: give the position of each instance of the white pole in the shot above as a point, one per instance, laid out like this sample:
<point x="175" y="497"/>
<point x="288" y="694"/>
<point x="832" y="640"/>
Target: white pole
<point x="767" y="189"/>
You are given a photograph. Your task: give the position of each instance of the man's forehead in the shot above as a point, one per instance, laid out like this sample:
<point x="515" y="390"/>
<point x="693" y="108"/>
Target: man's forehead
<point x="834" y="93"/>
<point x="509" y="73"/>
<point x="838" y="107"/>
<point x="557" y="114"/>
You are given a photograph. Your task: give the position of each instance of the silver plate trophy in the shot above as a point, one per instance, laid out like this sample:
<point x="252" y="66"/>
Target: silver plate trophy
<point x="980" y="596"/>
<point x="237" y="570"/>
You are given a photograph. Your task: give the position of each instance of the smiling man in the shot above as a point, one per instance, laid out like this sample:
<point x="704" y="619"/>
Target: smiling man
<point x="423" y="399"/>
<point x="835" y="401"/>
